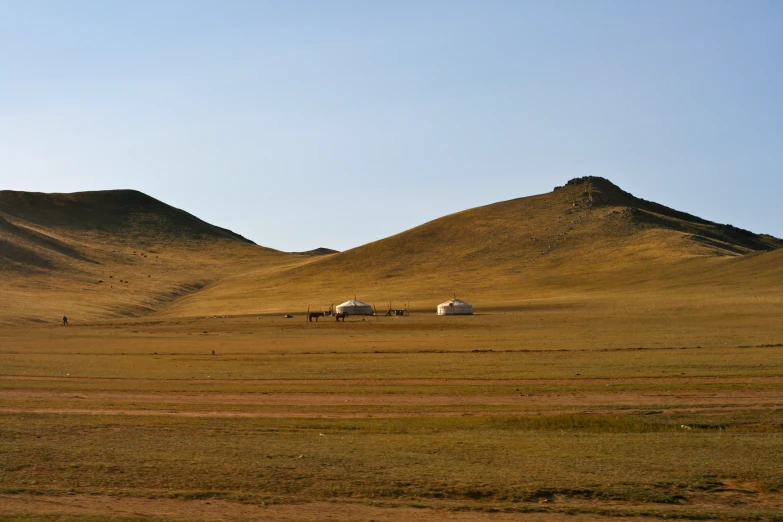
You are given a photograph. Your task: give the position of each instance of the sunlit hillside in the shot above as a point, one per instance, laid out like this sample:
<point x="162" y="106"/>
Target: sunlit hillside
<point x="121" y="253"/>
<point x="588" y="237"/>
<point x="99" y="255"/>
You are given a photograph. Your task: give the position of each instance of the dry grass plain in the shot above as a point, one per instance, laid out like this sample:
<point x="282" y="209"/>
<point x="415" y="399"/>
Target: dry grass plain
<point x="415" y="418"/>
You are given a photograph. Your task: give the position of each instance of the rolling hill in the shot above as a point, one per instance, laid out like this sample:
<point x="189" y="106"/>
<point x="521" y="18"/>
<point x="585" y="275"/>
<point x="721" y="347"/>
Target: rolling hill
<point x="109" y="254"/>
<point x="586" y="238"/>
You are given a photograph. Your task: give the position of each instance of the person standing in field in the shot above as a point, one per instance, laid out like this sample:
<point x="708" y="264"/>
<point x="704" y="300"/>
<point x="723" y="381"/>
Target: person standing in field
<point x="65" y="321"/>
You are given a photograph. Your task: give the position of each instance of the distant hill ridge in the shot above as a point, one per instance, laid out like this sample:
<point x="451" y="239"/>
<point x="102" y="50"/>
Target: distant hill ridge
<point x="578" y="216"/>
<point x="320" y="251"/>
<point x="123" y="253"/>
<point x="112" y="211"/>
<point x="598" y="191"/>
<point x="130" y="212"/>
<point x="588" y="233"/>
<point x="116" y="253"/>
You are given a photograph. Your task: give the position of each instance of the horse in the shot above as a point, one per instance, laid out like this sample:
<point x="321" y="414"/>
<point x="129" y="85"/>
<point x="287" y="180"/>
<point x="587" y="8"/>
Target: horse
<point x="315" y="315"/>
<point x="340" y="315"/>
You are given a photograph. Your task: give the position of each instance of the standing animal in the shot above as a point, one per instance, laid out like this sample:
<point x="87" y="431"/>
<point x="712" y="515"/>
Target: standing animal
<point x="340" y="315"/>
<point x="315" y="315"/>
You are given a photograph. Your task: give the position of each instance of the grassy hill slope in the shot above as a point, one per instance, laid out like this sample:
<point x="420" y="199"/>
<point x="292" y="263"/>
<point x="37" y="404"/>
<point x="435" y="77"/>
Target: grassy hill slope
<point x="94" y="255"/>
<point x="115" y="254"/>
<point x="587" y="237"/>
<point x="124" y="213"/>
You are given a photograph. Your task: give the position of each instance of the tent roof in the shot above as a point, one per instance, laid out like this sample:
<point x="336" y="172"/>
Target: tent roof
<point x="353" y="302"/>
<point x="454" y="302"/>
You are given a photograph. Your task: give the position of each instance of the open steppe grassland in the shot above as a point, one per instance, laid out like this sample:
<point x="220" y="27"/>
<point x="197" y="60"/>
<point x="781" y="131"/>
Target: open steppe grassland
<point x="611" y="407"/>
<point x="625" y="360"/>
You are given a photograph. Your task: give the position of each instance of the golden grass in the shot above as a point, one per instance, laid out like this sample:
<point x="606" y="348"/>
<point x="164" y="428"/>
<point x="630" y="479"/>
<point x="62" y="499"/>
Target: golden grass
<point x="490" y="412"/>
<point x="458" y="459"/>
<point x="631" y="369"/>
<point x="580" y="243"/>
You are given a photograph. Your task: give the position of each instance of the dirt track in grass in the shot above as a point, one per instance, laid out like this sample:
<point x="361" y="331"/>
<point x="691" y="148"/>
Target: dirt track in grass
<point x="581" y="399"/>
<point x="218" y="509"/>
<point x="432" y="382"/>
<point x="381" y="405"/>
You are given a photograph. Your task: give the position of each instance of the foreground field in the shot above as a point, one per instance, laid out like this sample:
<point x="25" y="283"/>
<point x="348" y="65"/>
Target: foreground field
<point x="563" y="409"/>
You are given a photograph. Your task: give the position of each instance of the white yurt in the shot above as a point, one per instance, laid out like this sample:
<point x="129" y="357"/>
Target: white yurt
<point x="455" y="307"/>
<point x="354" y="307"/>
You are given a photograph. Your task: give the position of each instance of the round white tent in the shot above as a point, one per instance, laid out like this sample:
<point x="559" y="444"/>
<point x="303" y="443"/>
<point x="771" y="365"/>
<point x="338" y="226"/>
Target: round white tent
<point x="455" y="307"/>
<point x="354" y="307"/>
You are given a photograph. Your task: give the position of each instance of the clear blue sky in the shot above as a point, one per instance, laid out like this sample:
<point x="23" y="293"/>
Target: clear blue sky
<point x="334" y="123"/>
